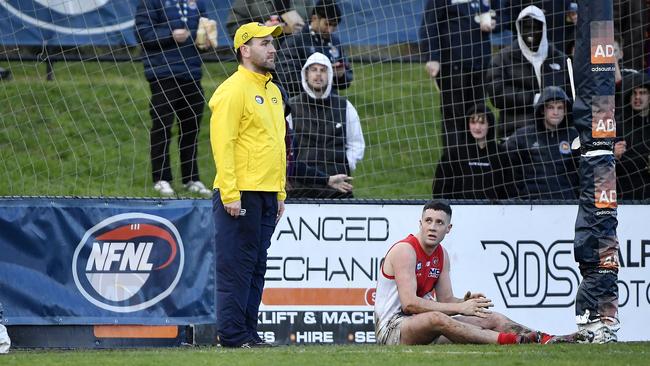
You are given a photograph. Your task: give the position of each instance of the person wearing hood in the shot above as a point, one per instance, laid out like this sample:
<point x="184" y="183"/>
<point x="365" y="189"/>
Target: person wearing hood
<point x="316" y="36"/>
<point x="542" y="162"/>
<point x="633" y="168"/>
<point x="455" y="41"/>
<point x="328" y="141"/>
<point x="556" y="11"/>
<point x="520" y="72"/>
<point x="471" y="170"/>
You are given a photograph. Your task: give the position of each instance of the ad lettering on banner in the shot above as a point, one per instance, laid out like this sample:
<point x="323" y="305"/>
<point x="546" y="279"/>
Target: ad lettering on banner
<point x="325" y="259"/>
<point x="603" y="123"/>
<point x="602" y="43"/>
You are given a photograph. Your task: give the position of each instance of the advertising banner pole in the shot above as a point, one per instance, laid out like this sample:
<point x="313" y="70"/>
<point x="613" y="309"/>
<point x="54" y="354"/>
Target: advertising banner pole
<point x="596" y="245"/>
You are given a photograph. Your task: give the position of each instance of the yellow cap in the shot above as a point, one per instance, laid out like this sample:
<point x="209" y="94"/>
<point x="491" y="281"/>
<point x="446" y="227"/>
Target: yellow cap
<point x="254" y="30"/>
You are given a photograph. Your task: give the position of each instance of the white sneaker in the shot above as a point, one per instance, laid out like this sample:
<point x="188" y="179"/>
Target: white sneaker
<point x="164" y="188"/>
<point x="198" y="187"/>
<point x="603" y="333"/>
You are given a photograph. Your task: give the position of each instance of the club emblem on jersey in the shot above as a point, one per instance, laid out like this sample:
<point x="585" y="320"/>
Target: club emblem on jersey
<point x="565" y="148"/>
<point x="435" y="261"/>
<point x="274" y="100"/>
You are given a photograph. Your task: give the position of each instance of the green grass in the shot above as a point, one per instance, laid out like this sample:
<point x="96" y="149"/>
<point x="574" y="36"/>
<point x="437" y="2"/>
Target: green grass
<point x="87" y="132"/>
<point x="528" y="355"/>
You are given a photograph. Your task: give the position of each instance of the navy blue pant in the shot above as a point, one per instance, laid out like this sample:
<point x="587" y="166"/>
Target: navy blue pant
<point x="241" y="251"/>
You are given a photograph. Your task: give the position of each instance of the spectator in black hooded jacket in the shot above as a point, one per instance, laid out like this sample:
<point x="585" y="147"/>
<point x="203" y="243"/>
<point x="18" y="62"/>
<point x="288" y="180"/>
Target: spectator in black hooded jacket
<point x="543" y="164"/>
<point x="556" y="12"/>
<point x="472" y="170"/>
<point x="518" y="73"/>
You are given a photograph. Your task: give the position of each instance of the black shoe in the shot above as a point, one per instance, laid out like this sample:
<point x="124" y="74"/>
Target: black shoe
<point x="263" y="344"/>
<point x="257" y="344"/>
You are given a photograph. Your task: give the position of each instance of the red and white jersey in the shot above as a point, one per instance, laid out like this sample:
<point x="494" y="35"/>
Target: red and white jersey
<point x="427" y="271"/>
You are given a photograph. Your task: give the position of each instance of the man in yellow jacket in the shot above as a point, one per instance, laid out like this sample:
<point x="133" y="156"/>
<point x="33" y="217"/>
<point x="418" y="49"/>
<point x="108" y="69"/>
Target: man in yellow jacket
<point x="247" y="131"/>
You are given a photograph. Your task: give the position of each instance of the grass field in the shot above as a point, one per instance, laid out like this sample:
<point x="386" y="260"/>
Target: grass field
<point x="529" y="355"/>
<point x="87" y="132"/>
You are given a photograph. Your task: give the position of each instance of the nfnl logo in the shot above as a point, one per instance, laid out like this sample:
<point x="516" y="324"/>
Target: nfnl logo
<point x="128" y="262"/>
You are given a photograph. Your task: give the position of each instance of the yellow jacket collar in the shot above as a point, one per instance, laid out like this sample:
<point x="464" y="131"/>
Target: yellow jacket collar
<point x="259" y="78"/>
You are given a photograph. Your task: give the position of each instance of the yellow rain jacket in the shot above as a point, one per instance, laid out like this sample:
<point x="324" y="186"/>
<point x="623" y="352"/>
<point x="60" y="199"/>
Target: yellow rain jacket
<point x="247" y="131"/>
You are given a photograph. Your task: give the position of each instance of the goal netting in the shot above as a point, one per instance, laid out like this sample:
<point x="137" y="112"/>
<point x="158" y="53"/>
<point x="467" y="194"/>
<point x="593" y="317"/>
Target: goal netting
<point x="457" y="99"/>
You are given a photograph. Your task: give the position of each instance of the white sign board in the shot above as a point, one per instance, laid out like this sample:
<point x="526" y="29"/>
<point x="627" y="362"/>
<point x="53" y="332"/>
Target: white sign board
<point x="328" y="257"/>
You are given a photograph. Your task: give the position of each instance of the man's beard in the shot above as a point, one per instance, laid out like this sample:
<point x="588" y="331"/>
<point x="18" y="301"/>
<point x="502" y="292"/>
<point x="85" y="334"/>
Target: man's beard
<point x="318" y="89"/>
<point x="265" y="66"/>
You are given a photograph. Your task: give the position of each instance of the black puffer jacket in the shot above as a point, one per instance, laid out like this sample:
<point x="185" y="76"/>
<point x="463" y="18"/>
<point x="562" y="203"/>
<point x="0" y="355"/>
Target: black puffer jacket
<point x="543" y="164"/>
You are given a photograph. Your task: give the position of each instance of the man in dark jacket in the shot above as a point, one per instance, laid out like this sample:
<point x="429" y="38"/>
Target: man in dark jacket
<point x="455" y="39"/>
<point x="518" y="73"/>
<point x="633" y="168"/>
<point x="166" y="31"/>
<point x="317" y="36"/>
<point x="543" y="164"/>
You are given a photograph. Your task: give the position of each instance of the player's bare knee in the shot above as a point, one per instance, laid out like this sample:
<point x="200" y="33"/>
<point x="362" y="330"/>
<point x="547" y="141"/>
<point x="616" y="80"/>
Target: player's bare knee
<point x="437" y="320"/>
<point x="497" y="318"/>
<point x="495" y="321"/>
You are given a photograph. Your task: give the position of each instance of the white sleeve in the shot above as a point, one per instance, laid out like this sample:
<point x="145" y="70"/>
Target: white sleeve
<point x="354" y="142"/>
<point x="289" y="120"/>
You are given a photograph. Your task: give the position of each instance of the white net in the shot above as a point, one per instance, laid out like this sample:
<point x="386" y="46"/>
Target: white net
<point x="88" y="130"/>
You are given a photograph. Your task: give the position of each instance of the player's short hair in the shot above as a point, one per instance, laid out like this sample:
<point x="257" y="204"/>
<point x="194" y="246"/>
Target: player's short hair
<point x="438" y="205"/>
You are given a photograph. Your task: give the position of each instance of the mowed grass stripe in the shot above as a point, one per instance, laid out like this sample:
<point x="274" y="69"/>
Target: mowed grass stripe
<point x="633" y="353"/>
